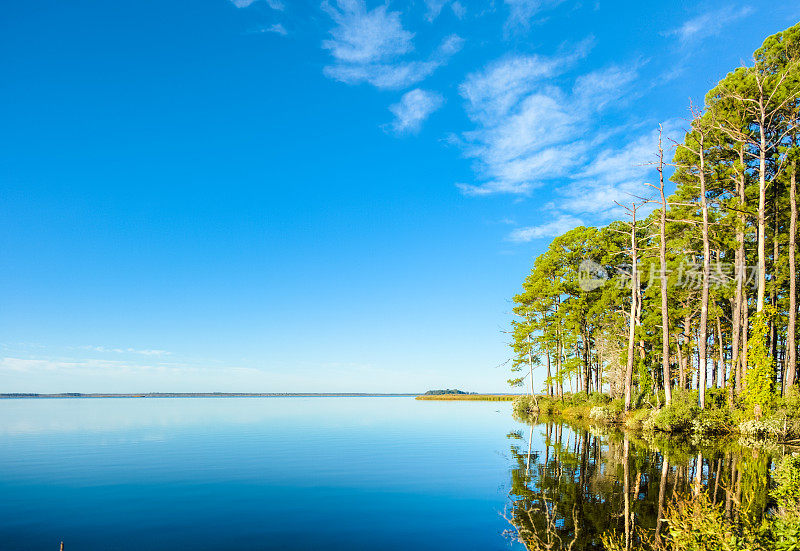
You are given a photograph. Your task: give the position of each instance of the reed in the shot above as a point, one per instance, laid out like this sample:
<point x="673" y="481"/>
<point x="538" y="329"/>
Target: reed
<point x="482" y="397"/>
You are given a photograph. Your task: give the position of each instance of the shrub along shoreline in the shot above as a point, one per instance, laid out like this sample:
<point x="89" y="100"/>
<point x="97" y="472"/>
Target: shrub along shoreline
<point x="683" y="415"/>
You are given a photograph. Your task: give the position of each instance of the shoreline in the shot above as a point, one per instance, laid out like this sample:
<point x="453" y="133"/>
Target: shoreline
<point x="645" y="420"/>
<point x="77" y="395"/>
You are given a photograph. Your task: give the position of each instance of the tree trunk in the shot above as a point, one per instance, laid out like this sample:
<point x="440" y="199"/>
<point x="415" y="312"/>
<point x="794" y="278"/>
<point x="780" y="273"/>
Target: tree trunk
<point x="632" y="327"/>
<point x="702" y="339"/>
<point x="721" y="348"/>
<point x="681" y="365"/>
<point x="530" y="362"/>
<point x="687" y="335"/>
<point x="549" y="381"/>
<point x="762" y="200"/>
<point x="791" y="345"/>
<point x="586" y="380"/>
<point x="740" y="384"/>
<point x="740" y="275"/>
<point x="559" y="372"/>
<point x="662" y="258"/>
<point x="661" y="492"/>
<point x="773" y="296"/>
<point x="626" y="491"/>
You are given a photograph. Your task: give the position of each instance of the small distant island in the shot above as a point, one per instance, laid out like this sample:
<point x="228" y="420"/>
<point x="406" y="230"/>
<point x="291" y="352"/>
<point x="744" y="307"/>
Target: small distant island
<point x="446" y="391"/>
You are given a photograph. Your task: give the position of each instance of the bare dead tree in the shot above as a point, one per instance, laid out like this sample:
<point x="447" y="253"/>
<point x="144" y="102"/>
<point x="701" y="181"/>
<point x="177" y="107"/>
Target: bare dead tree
<point x="662" y="257"/>
<point x="635" y="297"/>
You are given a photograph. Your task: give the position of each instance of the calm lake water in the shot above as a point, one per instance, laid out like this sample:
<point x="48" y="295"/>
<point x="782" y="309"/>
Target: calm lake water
<point x="334" y="473"/>
<point x="254" y="473"/>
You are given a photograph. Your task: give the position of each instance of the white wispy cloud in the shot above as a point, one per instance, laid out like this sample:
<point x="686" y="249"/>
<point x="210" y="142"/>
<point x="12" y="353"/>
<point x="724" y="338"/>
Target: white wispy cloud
<point x="276" y="28"/>
<point x="528" y="130"/>
<point x="492" y="92"/>
<point x="534" y="127"/>
<point x="597" y="89"/>
<point x="553" y="228"/>
<point x="612" y="175"/>
<point x="139" y="351"/>
<point x="617" y="174"/>
<point x="370" y="46"/>
<point x="520" y="12"/>
<point x="434" y="8"/>
<point x="708" y="24"/>
<point x="412" y="110"/>
<point x="277" y="5"/>
<point x="365" y="36"/>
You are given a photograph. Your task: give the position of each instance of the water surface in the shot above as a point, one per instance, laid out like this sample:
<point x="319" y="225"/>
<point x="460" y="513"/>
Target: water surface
<point x="342" y="474"/>
<point x="254" y="473"/>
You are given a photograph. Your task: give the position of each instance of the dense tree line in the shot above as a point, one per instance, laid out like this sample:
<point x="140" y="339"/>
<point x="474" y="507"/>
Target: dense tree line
<point x="700" y="292"/>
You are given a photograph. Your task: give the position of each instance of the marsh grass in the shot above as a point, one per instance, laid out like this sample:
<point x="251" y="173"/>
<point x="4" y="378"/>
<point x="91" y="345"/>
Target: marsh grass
<point x="481" y="397"/>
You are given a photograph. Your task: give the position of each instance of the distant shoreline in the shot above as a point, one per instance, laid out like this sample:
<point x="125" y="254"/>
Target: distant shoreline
<point x="468" y="397"/>
<point x="66" y="395"/>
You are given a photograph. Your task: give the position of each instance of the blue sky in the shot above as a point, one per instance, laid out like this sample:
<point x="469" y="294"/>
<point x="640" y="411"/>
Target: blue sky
<point x="278" y="195"/>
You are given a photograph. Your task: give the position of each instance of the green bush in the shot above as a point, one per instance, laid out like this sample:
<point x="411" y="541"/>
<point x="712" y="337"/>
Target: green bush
<point x="599" y="399"/>
<point x="578" y="399"/>
<point x="677" y="416"/>
<point x="787" y="412"/>
<point x="717" y="398"/>
<point x="766" y="428"/>
<point x="786" y="525"/>
<point x="602" y="414"/>
<point x="759" y="390"/>
<point x="524" y="405"/>
<point x="617" y="405"/>
<point x="712" y="421"/>
<point x="637" y="419"/>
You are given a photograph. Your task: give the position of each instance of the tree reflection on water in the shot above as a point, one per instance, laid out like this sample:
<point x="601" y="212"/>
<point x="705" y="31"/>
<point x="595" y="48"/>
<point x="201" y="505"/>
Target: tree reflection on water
<point x="588" y="481"/>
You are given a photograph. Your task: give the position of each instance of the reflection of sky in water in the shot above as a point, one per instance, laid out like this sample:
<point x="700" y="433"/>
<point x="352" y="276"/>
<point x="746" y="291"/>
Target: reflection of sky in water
<point x="276" y="473"/>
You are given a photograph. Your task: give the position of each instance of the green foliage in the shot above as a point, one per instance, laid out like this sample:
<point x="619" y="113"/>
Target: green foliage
<point x="637" y="419"/>
<point x="785" y="527"/>
<point x="713" y="421"/>
<point x="759" y="390"/>
<point x="678" y="416"/>
<point x="603" y="415"/>
<point x="697" y="524"/>
<point x="575" y="306"/>
<point x="787" y="478"/>
<point x="617" y="405"/>
<point x="524" y="405"/>
<point x="787" y="412"/>
<point x="765" y="428"/>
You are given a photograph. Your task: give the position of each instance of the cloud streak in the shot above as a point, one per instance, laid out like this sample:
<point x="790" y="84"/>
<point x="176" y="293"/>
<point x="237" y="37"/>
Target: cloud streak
<point x="141" y="352"/>
<point x="413" y="109"/>
<point x="556" y="227"/>
<point x="708" y="24"/>
<point x="370" y="46"/>
<point x="520" y="12"/>
<point x="528" y="130"/>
